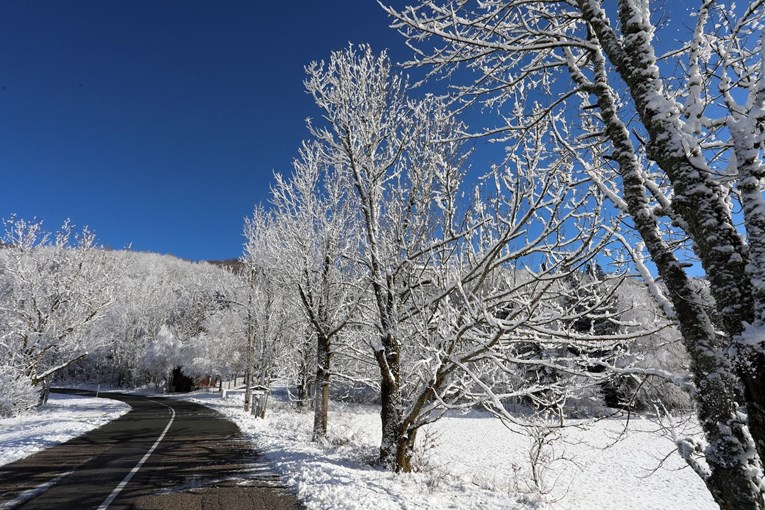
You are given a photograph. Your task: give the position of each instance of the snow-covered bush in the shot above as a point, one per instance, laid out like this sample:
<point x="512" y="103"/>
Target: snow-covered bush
<point x="18" y="392"/>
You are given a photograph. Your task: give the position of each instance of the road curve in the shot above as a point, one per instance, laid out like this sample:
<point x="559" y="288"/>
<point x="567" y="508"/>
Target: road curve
<point x="163" y="454"/>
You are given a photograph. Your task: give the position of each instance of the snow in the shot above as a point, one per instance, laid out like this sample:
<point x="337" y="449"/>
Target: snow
<point x="753" y="336"/>
<point x="470" y="461"/>
<point x="63" y="418"/>
<point x="466" y="461"/>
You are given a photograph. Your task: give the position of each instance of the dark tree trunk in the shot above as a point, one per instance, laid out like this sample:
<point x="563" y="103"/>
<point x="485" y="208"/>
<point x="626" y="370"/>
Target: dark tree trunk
<point x="753" y="379"/>
<point x="306" y="377"/>
<point x="388" y="359"/>
<point x="304" y="390"/>
<point x="751" y="359"/>
<point x="405" y="451"/>
<point x="44" y="392"/>
<point x="321" y="410"/>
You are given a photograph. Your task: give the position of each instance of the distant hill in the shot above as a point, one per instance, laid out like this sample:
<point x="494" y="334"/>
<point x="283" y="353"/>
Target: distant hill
<point x="234" y="265"/>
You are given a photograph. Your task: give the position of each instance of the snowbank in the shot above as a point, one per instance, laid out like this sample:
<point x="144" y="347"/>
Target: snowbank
<point x="63" y="418"/>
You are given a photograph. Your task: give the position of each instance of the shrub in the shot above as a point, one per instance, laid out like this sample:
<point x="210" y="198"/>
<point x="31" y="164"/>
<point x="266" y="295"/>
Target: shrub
<point x="18" y="393"/>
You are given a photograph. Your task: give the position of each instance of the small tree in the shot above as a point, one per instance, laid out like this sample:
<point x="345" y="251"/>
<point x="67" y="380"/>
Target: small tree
<point x="266" y="312"/>
<point x="316" y="248"/>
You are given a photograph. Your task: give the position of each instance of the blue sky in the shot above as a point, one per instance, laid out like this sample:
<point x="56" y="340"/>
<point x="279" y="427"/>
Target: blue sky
<point x="159" y="124"/>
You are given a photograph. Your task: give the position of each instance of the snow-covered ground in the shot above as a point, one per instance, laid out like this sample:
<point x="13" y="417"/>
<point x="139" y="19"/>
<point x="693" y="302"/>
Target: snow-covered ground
<point x="470" y="461"/>
<point x="64" y="417"/>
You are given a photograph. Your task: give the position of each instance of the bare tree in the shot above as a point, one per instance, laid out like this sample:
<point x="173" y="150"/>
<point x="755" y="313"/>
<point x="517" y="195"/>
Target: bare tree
<point x="316" y="248"/>
<point x="372" y="132"/>
<point x="642" y="126"/>
<point x="266" y="315"/>
<point x="447" y="294"/>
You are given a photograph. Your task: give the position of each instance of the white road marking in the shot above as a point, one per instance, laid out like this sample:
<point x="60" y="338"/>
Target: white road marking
<point x="108" y="501"/>
<point x="34" y="492"/>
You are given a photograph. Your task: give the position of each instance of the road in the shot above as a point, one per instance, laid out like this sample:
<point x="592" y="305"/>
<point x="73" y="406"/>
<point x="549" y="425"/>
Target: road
<point x="163" y="454"/>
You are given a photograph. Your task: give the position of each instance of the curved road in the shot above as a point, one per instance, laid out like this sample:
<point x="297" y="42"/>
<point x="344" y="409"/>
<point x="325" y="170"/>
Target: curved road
<point x="163" y="454"/>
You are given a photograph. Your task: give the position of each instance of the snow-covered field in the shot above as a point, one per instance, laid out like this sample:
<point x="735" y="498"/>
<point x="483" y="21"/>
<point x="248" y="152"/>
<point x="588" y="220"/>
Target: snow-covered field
<point x="64" y="417"/>
<point x="470" y="461"/>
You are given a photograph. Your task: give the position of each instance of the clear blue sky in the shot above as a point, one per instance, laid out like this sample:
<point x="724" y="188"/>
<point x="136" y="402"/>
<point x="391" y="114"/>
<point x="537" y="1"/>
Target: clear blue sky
<point x="159" y="123"/>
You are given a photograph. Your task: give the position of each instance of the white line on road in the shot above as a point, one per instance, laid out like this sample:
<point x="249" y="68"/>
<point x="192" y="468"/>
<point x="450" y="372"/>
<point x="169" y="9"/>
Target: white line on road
<point x="34" y="492"/>
<point x="108" y="501"/>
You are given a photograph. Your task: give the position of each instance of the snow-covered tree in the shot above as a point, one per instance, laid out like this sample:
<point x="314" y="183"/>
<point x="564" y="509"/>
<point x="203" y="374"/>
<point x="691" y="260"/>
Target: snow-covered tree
<point x="317" y="245"/>
<point x="675" y="140"/>
<point x="443" y="296"/>
<point x="54" y="288"/>
<point x="384" y="143"/>
<point x="219" y="349"/>
<point x="162" y="355"/>
<point x="267" y="316"/>
<point x="152" y="291"/>
<point x="143" y="299"/>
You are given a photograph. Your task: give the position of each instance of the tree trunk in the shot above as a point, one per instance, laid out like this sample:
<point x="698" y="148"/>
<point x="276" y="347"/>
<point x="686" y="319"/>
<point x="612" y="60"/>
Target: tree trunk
<point x="250" y="341"/>
<point x="323" y="360"/>
<point x="699" y="199"/>
<point x="388" y="359"/>
<point x="750" y="355"/>
<point x="753" y="379"/>
<point x="732" y="478"/>
<point x="305" y="383"/>
<point x="390" y="415"/>
<point x="248" y="390"/>
<point x="44" y="392"/>
<point x="405" y="451"/>
<point x="302" y="391"/>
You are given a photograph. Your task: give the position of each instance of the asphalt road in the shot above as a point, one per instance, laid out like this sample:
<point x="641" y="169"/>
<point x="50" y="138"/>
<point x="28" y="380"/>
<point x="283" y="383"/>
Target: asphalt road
<point x="163" y="454"/>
